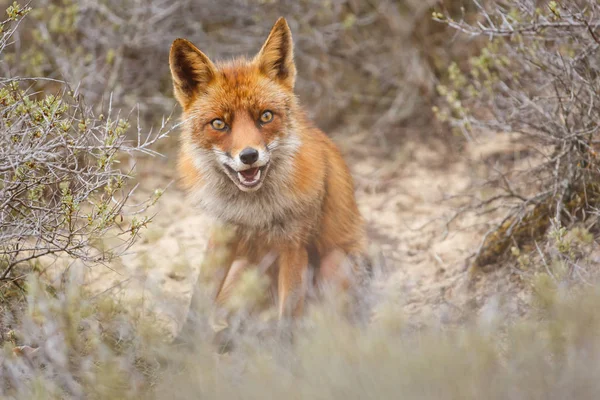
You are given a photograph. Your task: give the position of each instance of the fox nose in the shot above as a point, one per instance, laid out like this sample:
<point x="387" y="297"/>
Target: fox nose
<point x="249" y="155"/>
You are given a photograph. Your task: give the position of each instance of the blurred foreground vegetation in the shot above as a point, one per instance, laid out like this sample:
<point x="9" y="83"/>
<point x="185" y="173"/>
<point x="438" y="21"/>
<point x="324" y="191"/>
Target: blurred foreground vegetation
<point x="82" y="348"/>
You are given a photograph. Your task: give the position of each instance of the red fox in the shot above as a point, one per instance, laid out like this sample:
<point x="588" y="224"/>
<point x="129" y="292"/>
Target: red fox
<point x="252" y="160"/>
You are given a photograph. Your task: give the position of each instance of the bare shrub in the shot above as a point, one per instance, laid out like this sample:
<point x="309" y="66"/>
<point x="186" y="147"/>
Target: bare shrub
<point x="539" y="76"/>
<point x="64" y="179"/>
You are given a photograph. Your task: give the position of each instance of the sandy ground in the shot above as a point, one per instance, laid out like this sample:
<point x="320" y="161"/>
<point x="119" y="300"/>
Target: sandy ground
<point x="405" y="203"/>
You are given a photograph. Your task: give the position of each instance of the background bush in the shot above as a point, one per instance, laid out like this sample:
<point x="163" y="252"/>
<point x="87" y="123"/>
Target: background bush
<point x="360" y="63"/>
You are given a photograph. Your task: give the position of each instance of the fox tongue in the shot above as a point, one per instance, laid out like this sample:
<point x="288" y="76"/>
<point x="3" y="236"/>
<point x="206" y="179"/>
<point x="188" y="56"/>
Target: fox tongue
<point x="249" y="174"/>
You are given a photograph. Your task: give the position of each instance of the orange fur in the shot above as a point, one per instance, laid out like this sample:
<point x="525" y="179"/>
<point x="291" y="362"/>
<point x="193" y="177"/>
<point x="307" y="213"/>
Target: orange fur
<point x="303" y="203"/>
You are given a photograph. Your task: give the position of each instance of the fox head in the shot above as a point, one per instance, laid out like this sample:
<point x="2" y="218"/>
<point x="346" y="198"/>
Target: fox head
<point x="238" y="114"/>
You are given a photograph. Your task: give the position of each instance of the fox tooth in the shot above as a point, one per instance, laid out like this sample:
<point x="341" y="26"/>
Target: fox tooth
<point x="240" y="177"/>
<point x="257" y="176"/>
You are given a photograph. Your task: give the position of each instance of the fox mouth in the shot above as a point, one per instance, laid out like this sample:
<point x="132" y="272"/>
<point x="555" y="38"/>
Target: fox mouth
<point x="248" y="179"/>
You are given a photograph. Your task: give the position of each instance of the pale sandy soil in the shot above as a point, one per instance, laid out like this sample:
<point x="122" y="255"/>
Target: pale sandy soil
<point x="403" y="202"/>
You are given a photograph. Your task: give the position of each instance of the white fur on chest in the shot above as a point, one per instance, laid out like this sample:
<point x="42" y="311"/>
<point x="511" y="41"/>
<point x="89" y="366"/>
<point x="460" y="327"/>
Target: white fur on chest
<point x="254" y="210"/>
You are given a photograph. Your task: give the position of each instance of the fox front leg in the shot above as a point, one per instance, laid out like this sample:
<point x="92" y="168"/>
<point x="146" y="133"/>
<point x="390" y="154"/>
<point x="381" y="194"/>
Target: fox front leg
<point x="292" y="281"/>
<point x="219" y="256"/>
<point x="216" y="264"/>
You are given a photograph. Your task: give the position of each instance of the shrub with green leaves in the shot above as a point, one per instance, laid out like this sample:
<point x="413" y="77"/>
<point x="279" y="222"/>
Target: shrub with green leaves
<point x="64" y="179"/>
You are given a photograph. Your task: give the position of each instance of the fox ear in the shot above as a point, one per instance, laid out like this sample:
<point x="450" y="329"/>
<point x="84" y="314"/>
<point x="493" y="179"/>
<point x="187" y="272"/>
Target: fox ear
<point x="192" y="71"/>
<point x="276" y="57"/>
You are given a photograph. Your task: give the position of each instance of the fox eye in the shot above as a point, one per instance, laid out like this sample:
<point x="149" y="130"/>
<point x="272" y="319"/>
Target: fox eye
<point x="218" y="124"/>
<point x="267" y="116"/>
